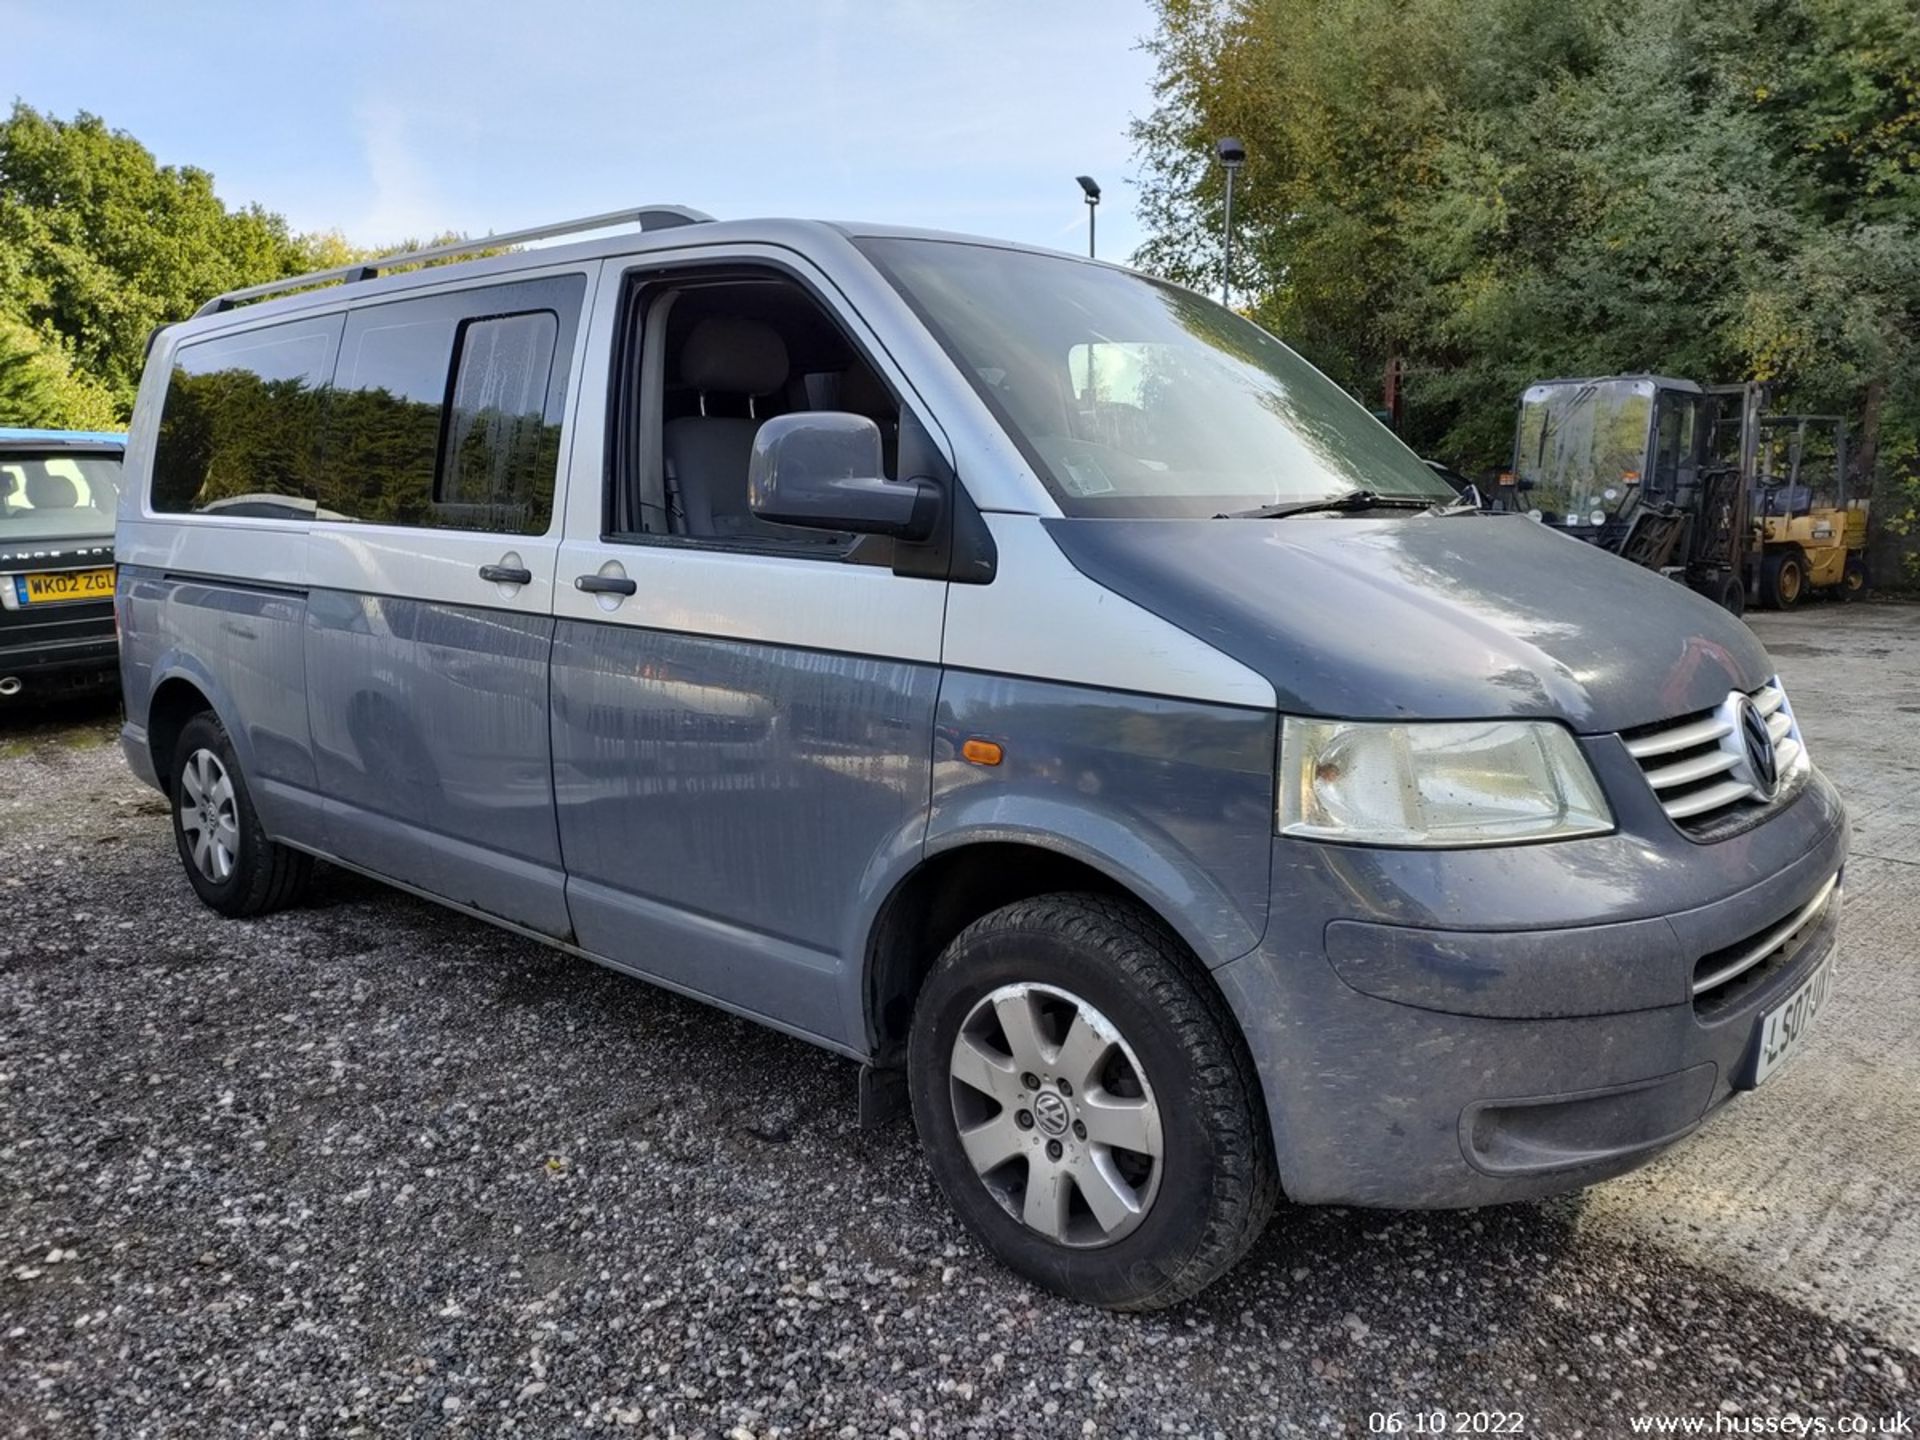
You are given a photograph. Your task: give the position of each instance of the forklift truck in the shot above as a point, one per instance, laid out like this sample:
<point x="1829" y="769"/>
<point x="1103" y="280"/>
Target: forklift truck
<point x="1695" y="481"/>
<point x="1813" y="535"/>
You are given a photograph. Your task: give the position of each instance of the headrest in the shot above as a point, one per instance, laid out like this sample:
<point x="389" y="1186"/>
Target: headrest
<point x="52" y="492"/>
<point x="862" y="393"/>
<point x="734" y="356"/>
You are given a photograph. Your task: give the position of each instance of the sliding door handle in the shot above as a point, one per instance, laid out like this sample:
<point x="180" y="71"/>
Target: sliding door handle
<point x="507" y="574"/>
<point x="604" y="584"/>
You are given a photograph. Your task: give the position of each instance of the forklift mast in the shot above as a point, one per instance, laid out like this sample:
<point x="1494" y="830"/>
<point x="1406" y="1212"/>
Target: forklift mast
<point x="1730" y="447"/>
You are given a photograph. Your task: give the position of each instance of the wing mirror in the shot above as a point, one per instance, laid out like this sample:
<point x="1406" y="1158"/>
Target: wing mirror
<point x="824" y="469"/>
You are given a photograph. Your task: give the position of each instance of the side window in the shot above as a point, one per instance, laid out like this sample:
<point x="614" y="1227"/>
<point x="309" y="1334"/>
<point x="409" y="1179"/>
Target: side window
<point x="500" y="451"/>
<point x="446" y="409"/>
<point x="705" y="360"/>
<point x="240" y="427"/>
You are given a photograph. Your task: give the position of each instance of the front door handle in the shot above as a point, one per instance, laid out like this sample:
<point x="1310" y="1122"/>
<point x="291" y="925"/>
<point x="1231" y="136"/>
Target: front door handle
<point x="507" y="574"/>
<point x="604" y="584"/>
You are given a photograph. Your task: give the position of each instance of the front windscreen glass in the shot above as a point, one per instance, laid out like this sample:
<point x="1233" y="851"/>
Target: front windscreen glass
<point x="1130" y="397"/>
<point x="57" y="496"/>
<point x="1581" y="448"/>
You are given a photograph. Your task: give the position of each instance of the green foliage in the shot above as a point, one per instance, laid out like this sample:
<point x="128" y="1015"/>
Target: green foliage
<point x="39" y="387"/>
<point x="100" y="243"/>
<point x="1498" y="190"/>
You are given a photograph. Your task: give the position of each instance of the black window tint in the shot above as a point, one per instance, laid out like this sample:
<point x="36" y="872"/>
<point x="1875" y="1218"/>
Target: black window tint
<point x="446" y="409"/>
<point x="500" y="461"/>
<point x="240" y="427"/>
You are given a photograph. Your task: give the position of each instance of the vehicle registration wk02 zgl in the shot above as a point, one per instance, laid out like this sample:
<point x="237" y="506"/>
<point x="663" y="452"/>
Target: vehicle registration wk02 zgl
<point x="51" y="586"/>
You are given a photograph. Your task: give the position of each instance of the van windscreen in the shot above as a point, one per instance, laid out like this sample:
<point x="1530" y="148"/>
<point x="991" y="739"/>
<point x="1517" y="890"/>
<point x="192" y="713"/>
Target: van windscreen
<point x="1131" y="397"/>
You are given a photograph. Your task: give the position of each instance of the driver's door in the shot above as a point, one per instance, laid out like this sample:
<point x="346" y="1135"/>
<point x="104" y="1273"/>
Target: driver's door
<point x="742" y="726"/>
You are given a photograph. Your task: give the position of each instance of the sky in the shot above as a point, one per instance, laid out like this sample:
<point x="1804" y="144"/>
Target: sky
<point x="402" y="120"/>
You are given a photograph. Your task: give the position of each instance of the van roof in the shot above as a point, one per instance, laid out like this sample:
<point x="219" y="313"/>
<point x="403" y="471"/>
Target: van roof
<point x="663" y="227"/>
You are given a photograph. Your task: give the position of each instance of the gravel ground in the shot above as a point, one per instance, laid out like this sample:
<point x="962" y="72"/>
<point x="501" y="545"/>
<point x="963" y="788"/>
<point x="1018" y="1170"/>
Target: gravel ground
<point x="367" y="1167"/>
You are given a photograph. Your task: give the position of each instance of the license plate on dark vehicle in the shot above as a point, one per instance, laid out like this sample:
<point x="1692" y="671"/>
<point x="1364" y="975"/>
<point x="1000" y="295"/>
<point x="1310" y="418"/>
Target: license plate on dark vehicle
<point x="56" y="585"/>
<point x="1783" y="1029"/>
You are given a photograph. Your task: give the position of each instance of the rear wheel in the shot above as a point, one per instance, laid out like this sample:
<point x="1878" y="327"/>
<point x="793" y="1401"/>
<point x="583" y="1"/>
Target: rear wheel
<point x="231" y="864"/>
<point x="1783" y="579"/>
<point x="1854" y="580"/>
<point x="1087" y="1104"/>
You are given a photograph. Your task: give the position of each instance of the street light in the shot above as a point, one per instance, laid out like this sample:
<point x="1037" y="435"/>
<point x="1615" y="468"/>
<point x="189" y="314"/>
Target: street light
<point x="1232" y="155"/>
<point x="1092" y="191"/>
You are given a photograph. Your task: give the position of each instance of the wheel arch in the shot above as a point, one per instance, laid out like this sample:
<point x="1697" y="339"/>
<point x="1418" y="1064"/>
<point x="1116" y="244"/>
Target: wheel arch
<point x="182" y="692"/>
<point x="955" y="885"/>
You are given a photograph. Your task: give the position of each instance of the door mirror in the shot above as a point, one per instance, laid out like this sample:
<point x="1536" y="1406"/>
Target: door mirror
<point x="823" y="469"/>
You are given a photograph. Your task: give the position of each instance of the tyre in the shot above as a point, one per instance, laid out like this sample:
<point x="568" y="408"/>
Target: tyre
<point x="1087" y="1104"/>
<point x="231" y="864"/>
<point x="1733" y="595"/>
<point x="1783" y="579"/>
<point x="1854" y="580"/>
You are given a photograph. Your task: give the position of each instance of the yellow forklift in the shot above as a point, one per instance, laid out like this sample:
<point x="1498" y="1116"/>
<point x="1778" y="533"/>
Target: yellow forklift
<point x="1695" y="481"/>
<point x="1811" y="534"/>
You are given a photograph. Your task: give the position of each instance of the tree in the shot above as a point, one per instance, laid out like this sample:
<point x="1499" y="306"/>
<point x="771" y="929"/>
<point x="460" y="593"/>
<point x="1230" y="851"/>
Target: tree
<point x="99" y="243"/>
<point x="1496" y="191"/>
<point x="39" y="388"/>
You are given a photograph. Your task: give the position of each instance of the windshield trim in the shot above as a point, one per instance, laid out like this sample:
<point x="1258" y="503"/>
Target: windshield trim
<point x="872" y="248"/>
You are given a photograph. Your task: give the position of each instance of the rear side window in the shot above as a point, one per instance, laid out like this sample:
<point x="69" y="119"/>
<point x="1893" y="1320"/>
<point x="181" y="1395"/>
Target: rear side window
<point x="240" y="428"/>
<point x="441" y="412"/>
<point x="446" y="409"/>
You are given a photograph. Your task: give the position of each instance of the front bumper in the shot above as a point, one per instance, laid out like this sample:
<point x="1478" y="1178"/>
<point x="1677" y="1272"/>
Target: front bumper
<point x="1451" y="1029"/>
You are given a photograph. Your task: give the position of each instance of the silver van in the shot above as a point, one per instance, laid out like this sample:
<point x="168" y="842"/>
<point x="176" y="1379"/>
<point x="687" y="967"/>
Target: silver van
<point x="1025" y="678"/>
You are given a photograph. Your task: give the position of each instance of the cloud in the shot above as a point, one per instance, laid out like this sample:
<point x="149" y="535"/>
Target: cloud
<point x="404" y="200"/>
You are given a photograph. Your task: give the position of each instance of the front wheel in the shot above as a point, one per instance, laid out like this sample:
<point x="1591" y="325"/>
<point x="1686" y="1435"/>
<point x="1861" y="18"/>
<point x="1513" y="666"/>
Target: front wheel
<point x="1783" y="579"/>
<point x="231" y="864"/>
<point x="1087" y="1104"/>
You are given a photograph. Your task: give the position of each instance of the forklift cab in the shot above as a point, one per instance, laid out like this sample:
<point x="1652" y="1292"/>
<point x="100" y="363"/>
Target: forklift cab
<point x="1802" y="465"/>
<point x="1647" y="466"/>
<point x="1591" y="452"/>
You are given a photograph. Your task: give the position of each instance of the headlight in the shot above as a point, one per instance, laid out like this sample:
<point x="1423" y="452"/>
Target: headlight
<point x="1457" y="783"/>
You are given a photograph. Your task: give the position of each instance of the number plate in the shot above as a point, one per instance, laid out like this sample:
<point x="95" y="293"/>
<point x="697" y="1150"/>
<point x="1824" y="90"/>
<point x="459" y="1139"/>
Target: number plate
<point x="51" y="586"/>
<point x="1783" y="1029"/>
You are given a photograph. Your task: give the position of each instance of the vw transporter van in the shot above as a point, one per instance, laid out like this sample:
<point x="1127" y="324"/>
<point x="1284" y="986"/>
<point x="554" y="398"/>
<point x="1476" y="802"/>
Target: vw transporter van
<point x="1027" y="679"/>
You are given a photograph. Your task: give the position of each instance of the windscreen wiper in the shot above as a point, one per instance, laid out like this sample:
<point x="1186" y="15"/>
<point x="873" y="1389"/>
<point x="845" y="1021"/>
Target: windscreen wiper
<point x="1346" y="500"/>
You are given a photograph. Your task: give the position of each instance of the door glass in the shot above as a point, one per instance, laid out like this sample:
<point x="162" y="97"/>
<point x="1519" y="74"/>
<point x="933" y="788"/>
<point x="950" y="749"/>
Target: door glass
<point x="446" y="409"/>
<point x="499" y="468"/>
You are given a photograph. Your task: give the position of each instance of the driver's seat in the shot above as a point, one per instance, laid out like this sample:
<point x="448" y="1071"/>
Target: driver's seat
<point x="707" y="455"/>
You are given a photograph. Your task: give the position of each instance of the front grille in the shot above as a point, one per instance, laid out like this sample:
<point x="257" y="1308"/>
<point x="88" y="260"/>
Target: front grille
<point x="1724" y="977"/>
<point x="1699" y="768"/>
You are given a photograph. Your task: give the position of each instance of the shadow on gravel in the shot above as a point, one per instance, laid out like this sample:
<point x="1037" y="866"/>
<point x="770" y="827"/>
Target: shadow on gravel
<point x="70" y="723"/>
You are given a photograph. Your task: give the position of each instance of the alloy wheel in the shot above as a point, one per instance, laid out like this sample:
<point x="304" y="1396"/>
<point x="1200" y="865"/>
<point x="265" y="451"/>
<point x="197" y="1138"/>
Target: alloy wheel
<point x="1056" y="1115"/>
<point x="209" y="816"/>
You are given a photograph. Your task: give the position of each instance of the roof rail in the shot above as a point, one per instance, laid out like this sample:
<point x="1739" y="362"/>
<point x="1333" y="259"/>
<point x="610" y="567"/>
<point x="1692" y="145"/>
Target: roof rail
<point x="647" y="217"/>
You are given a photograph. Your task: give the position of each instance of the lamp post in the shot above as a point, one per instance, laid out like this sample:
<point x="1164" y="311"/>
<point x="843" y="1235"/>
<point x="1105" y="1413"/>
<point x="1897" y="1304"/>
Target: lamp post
<point x="1232" y="155"/>
<point x="1091" y="190"/>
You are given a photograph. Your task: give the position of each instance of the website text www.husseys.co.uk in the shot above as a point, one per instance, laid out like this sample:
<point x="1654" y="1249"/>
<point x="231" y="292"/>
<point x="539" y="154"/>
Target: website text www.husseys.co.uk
<point x="1721" y="1423"/>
